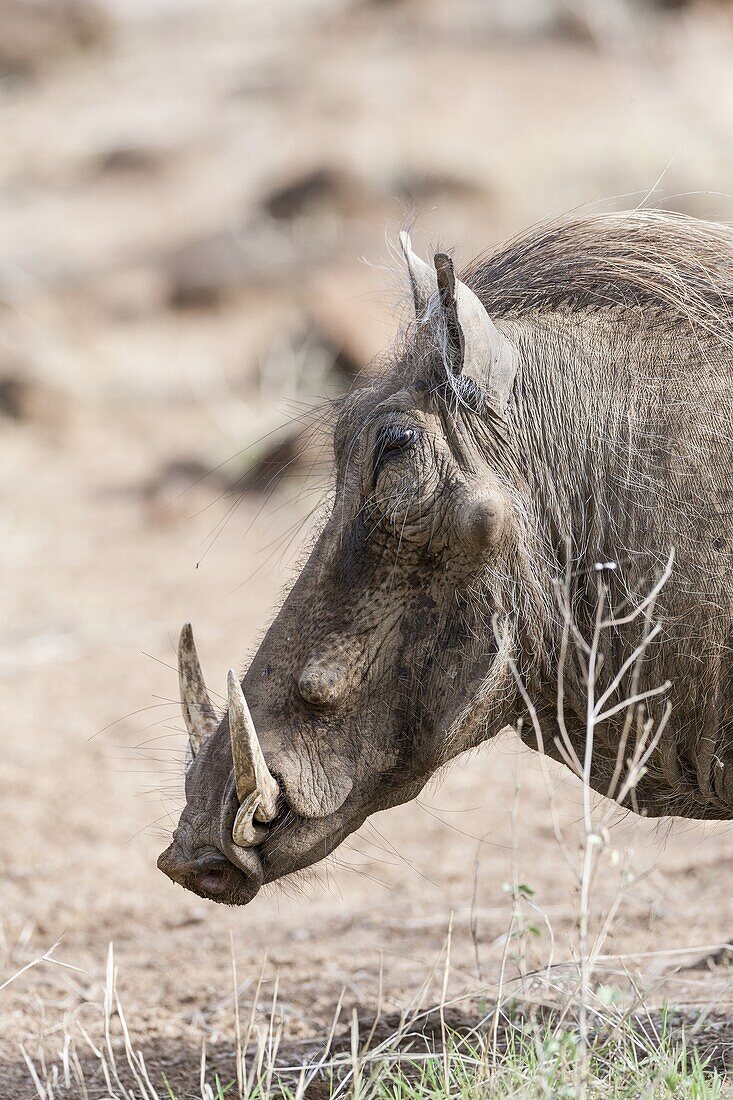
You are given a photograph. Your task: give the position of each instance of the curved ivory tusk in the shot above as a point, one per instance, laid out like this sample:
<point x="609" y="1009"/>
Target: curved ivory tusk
<point x="198" y="713"/>
<point x="257" y="788"/>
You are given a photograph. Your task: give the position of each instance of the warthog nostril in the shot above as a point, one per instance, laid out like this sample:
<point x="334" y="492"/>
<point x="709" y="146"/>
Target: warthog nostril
<point x="213" y="879"/>
<point x="211" y="875"/>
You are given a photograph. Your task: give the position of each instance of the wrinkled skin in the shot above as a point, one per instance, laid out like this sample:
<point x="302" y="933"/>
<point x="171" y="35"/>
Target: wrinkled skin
<point x="429" y="592"/>
<point x="348" y="687"/>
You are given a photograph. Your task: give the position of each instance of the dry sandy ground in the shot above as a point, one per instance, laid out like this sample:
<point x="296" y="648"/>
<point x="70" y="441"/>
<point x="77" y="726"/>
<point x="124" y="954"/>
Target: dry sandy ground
<point x="93" y="730"/>
<point x="102" y="557"/>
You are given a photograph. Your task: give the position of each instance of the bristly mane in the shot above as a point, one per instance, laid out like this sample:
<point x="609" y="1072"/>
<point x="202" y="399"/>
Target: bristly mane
<point x="677" y="267"/>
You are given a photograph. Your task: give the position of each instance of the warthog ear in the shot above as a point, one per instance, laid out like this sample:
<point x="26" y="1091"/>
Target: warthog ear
<point x="471" y="344"/>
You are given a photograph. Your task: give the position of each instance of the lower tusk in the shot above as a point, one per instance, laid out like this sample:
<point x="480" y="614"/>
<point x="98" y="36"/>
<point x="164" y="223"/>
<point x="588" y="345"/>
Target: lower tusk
<point x="257" y="788"/>
<point x="247" y="831"/>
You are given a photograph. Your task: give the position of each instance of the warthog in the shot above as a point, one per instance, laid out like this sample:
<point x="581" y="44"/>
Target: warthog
<point x="569" y="404"/>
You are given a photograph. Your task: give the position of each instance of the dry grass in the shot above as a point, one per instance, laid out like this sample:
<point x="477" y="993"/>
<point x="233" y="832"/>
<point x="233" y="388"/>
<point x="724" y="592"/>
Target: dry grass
<point x="525" y="1048"/>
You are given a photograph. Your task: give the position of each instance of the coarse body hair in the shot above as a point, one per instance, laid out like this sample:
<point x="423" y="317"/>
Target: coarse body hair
<point x="621" y="423"/>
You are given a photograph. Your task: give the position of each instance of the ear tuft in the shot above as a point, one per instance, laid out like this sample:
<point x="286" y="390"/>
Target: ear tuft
<point x="422" y="277"/>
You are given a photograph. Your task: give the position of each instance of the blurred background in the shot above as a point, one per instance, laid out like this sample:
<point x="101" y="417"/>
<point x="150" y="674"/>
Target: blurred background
<point x="198" y="209"/>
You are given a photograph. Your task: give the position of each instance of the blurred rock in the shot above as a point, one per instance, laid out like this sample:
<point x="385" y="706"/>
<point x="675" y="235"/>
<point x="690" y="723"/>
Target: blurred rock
<point x="323" y="188"/>
<point x="13" y="392"/>
<point x="26" y="400"/>
<point x="464" y="19"/>
<point x="270" y="467"/>
<point x="131" y="160"/>
<point x="187" y="484"/>
<point x="35" y="33"/>
<point x="335" y="345"/>
<point x="178" y="488"/>
<point x="347" y="318"/>
<point x="131" y="293"/>
<point x="204" y="272"/>
<point x="425" y="186"/>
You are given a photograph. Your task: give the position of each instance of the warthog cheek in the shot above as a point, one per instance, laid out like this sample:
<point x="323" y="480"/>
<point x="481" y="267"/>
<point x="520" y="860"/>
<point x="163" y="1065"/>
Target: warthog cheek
<point x="316" y="782"/>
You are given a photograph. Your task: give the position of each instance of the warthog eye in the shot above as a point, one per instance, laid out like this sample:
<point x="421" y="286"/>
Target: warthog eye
<point x="393" y="441"/>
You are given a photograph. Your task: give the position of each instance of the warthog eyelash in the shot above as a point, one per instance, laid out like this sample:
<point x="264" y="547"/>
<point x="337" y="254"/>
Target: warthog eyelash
<point x="393" y="440"/>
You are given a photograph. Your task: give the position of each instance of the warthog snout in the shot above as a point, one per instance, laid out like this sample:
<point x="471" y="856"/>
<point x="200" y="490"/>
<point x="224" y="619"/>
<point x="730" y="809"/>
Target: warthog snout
<point x="211" y="875"/>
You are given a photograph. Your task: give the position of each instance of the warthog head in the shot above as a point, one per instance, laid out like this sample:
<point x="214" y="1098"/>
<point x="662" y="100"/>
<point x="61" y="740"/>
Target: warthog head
<point x="391" y="653"/>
